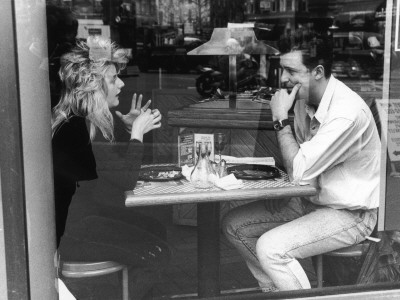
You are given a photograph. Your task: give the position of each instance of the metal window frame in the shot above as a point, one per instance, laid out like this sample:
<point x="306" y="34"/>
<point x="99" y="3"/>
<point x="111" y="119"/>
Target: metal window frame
<point x="11" y="161"/>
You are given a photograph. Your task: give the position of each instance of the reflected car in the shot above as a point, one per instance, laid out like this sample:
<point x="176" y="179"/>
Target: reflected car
<point x="358" y="53"/>
<point x="170" y="55"/>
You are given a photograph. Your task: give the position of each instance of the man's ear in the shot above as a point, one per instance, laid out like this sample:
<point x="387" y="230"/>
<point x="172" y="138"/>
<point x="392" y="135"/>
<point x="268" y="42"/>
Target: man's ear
<point x="319" y="72"/>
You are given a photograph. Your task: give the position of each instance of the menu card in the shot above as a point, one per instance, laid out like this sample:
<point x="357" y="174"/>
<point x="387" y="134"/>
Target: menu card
<point x="186" y="147"/>
<point x="186" y="150"/>
<point x="204" y="137"/>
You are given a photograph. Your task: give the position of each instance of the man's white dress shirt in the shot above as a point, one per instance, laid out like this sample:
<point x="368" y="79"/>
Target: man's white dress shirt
<point x="339" y="149"/>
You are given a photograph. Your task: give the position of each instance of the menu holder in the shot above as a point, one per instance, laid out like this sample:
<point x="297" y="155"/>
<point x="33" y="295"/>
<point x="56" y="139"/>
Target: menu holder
<point x="186" y="150"/>
<point x="205" y="137"/>
<point x="186" y="147"/>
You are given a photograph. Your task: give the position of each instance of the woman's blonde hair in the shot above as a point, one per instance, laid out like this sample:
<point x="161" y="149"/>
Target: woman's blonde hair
<point x="84" y="89"/>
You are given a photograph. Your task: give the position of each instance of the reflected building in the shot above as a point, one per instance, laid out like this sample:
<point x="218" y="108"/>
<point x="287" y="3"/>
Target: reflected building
<point x="289" y="15"/>
<point x="189" y="15"/>
<point x="357" y="27"/>
<point x="224" y="11"/>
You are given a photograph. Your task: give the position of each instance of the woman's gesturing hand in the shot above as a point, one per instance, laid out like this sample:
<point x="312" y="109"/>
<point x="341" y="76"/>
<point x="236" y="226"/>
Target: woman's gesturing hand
<point x="136" y="108"/>
<point x="145" y="122"/>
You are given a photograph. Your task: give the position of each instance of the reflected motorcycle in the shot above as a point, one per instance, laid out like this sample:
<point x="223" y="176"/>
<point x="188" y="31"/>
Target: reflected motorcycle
<point x="214" y="79"/>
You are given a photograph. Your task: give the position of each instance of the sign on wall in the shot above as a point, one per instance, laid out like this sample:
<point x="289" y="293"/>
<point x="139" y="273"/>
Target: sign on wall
<point x="92" y="27"/>
<point x="389" y="113"/>
<point x="188" y="28"/>
<point x="265" y="5"/>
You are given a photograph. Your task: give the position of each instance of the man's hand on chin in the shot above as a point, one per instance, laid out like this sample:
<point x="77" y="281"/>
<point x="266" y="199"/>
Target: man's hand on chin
<point x="282" y="101"/>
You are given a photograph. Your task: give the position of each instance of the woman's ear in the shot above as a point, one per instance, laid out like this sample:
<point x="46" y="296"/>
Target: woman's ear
<point x="319" y="72"/>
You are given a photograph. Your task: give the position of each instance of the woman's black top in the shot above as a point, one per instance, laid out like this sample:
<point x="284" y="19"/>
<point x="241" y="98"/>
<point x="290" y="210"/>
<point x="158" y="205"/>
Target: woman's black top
<point x="74" y="161"/>
<point x="73" y="158"/>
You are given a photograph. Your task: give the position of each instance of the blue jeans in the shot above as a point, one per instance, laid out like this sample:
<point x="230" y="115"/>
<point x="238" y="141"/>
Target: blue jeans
<point x="271" y="244"/>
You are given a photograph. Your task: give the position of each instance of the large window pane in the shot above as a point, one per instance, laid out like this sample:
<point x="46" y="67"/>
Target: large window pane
<point x="162" y="36"/>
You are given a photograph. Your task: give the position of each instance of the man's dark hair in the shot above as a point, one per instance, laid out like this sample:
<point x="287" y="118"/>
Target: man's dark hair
<point x="316" y="50"/>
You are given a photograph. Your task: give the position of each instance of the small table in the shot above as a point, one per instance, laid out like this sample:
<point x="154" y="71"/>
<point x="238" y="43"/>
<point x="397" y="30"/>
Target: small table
<point x="179" y="192"/>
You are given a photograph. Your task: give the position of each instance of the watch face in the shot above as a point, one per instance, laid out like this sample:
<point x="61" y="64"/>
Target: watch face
<point x="278" y="125"/>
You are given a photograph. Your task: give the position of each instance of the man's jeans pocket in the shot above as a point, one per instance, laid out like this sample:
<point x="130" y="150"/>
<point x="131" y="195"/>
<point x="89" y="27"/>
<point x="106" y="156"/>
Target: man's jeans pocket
<point x="366" y="221"/>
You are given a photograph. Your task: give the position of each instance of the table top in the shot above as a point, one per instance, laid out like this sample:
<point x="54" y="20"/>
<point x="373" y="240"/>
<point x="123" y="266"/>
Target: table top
<point x="182" y="191"/>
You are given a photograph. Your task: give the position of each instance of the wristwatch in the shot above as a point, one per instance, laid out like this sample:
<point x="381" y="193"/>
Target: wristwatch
<point x="280" y="124"/>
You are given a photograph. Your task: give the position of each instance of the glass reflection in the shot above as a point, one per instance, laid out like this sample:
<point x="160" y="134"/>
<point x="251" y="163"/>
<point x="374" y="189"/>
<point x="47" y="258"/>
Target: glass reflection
<point x="160" y="33"/>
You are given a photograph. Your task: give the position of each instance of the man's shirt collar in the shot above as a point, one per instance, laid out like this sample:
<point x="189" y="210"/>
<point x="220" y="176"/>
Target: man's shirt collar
<point x="323" y="107"/>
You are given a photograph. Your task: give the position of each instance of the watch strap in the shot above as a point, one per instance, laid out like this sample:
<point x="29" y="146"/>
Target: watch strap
<point x="280" y="124"/>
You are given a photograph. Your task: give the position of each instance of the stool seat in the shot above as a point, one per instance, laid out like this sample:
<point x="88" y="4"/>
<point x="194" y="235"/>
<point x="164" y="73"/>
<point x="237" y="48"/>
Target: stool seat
<point x="89" y="269"/>
<point x="92" y="269"/>
<point x="351" y="251"/>
<point x="356" y="250"/>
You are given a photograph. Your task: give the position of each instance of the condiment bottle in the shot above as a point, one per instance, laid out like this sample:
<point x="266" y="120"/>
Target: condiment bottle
<point x="203" y="175"/>
<point x="222" y="172"/>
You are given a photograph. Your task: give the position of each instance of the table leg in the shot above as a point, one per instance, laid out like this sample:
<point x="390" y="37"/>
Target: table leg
<point x="208" y="255"/>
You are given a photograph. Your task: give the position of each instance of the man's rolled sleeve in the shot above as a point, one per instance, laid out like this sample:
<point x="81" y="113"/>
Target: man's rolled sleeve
<point x="323" y="151"/>
<point x="299" y="167"/>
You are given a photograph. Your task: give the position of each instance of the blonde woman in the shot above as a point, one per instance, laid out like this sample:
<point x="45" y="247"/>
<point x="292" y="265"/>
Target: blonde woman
<point x="95" y="231"/>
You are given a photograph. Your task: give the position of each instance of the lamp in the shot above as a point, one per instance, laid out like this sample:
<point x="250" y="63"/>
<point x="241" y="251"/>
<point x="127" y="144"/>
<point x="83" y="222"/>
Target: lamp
<point x="232" y="42"/>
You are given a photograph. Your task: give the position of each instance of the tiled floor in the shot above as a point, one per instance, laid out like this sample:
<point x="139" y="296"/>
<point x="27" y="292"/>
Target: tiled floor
<point x="180" y="279"/>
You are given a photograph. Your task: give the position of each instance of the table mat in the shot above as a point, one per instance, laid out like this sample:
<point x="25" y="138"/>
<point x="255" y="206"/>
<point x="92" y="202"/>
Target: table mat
<point x="184" y="186"/>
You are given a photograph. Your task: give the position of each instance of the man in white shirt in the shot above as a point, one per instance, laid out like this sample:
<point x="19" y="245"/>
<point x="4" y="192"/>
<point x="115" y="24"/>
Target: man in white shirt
<point x="336" y="148"/>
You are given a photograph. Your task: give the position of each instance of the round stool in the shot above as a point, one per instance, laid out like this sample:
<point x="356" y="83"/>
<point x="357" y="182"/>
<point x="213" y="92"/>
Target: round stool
<point x="352" y="251"/>
<point x="92" y="269"/>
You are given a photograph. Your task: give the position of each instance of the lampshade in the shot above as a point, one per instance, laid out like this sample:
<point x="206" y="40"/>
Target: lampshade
<point x="233" y="41"/>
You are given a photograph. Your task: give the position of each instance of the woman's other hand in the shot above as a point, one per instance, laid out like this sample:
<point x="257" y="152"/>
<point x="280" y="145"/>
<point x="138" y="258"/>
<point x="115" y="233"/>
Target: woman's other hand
<point x="136" y="108"/>
<point x="145" y="122"/>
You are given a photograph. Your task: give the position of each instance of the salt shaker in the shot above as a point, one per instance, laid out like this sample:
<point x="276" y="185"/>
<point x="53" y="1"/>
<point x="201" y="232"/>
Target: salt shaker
<point x="222" y="172"/>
